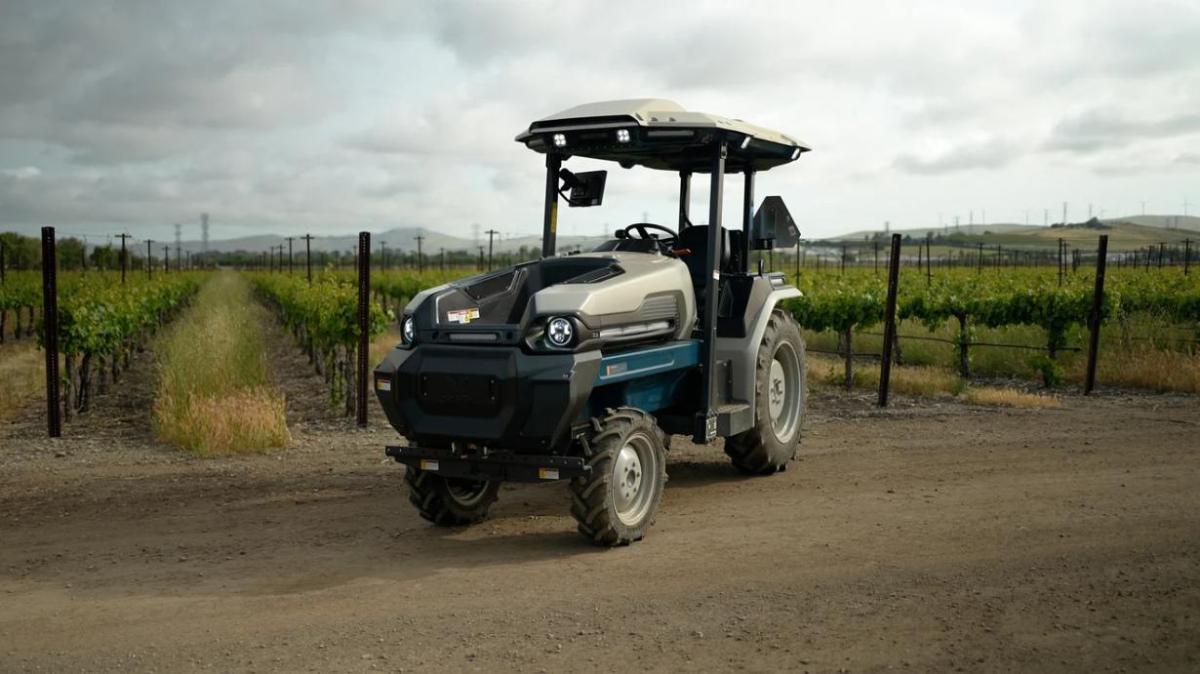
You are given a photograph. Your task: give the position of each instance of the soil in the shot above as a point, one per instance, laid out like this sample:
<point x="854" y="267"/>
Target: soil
<point x="933" y="536"/>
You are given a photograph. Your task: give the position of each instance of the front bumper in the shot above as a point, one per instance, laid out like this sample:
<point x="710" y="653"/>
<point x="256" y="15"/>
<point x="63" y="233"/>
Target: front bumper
<point x="494" y="396"/>
<point x="506" y="467"/>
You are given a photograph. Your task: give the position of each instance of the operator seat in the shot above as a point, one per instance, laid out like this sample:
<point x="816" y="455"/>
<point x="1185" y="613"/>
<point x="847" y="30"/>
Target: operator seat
<point x="695" y="239"/>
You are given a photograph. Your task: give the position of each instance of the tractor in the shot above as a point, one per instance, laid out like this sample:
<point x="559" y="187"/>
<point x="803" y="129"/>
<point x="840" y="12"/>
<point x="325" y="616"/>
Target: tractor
<point x="580" y="367"/>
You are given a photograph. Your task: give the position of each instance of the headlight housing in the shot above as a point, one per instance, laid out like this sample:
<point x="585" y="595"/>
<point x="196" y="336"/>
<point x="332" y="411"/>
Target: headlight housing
<point x="560" y="332"/>
<point x="408" y="330"/>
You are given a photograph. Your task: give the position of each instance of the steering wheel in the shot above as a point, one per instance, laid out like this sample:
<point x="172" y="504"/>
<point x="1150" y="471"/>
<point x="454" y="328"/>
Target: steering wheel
<point x="642" y="228"/>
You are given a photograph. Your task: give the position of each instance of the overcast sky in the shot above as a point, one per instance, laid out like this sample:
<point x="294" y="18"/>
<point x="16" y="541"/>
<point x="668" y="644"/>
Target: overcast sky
<point x="332" y="117"/>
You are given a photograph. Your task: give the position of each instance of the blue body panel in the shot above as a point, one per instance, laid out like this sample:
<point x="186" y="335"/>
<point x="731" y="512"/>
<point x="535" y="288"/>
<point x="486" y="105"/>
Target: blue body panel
<point x="648" y="379"/>
<point x="644" y="362"/>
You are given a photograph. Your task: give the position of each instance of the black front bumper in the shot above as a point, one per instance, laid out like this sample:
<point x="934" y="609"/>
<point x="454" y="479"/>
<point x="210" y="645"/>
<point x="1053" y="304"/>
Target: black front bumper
<point x="506" y="467"/>
<point x="494" y="396"/>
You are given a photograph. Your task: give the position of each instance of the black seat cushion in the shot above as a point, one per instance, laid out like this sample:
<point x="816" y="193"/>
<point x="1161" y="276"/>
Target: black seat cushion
<point x="695" y="239"/>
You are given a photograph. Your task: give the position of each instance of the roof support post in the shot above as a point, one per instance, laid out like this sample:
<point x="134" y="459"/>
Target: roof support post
<point x="706" y="422"/>
<point x="685" y="199"/>
<point x="550" y="215"/>
<point x="747" y="219"/>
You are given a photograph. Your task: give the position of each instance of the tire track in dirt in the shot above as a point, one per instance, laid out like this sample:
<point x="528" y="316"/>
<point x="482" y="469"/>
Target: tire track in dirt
<point x="933" y="537"/>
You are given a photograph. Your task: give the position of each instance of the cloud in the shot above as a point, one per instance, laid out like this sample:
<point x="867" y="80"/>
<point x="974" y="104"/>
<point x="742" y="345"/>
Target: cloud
<point x="343" y="114"/>
<point x="990" y="154"/>
<point x="1100" y="129"/>
<point x="22" y="173"/>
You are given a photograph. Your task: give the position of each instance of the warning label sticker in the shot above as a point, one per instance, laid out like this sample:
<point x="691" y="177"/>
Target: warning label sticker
<point x="462" y="316"/>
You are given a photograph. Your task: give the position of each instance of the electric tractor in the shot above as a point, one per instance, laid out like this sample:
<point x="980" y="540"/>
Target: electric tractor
<point x="580" y="367"/>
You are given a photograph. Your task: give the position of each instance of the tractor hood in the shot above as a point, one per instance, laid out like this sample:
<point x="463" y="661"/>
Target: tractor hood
<point x="611" y="298"/>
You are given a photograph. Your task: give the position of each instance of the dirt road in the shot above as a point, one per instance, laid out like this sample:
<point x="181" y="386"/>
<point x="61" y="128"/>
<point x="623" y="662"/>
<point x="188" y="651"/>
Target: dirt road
<point x="927" y="538"/>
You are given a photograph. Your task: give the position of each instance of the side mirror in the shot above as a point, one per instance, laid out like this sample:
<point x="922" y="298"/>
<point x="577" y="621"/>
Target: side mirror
<point x="773" y="226"/>
<point x="586" y="189"/>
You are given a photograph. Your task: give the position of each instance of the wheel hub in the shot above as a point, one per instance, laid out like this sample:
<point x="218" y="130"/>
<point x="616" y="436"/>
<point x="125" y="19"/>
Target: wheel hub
<point x="777" y="390"/>
<point x="785" y="392"/>
<point x="627" y="479"/>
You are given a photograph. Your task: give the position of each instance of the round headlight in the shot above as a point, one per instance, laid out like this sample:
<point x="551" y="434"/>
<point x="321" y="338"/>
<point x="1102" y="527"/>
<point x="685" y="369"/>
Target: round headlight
<point x="407" y="330"/>
<point x="559" y="331"/>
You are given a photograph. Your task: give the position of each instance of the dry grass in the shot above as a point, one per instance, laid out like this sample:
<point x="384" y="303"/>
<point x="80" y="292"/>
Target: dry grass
<point x="215" y="395"/>
<point x="253" y="419"/>
<point x="22" y="376"/>
<point x="1009" y="397"/>
<point x="824" y="371"/>
<point x="1151" y="368"/>
<point x="382" y="345"/>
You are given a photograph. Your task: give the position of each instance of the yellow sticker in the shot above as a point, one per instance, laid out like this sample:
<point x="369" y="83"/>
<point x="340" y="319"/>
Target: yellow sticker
<point x="429" y="464"/>
<point x="462" y="316"/>
<point x="548" y="473"/>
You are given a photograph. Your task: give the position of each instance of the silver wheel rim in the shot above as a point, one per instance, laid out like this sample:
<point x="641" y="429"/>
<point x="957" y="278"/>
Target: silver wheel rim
<point x="783" y="392"/>
<point x="466" y="493"/>
<point x="633" y="479"/>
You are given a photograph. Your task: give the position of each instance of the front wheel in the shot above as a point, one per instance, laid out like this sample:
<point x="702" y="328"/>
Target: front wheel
<point x="779" y="399"/>
<point x="617" y="501"/>
<point x="449" y="501"/>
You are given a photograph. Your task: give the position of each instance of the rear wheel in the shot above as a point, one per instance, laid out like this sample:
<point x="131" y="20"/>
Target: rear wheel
<point x="617" y="501"/>
<point x="449" y="501"/>
<point x="779" y="399"/>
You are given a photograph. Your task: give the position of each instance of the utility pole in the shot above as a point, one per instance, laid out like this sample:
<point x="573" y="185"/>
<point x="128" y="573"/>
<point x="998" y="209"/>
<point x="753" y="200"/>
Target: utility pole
<point x="124" y="257"/>
<point x="166" y="259"/>
<point x="149" y="267"/>
<point x="1064" y="214"/>
<point x="1143" y="208"/>
<point x="308" y="255"/>
<point x="419" y="239"/>
<point x="178" y="244"/>
<point x="204" y="238"/>
<point x="289" y="240"/>
<point x="443" y="253"/>
<point x="491" y="235"/>
<point x="480" y="258"/>
<point x="1045" y="217"/>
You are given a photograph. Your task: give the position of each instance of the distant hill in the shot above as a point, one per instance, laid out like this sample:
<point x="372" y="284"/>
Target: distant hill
<point x="399" y="239"/>
<point x="994" y="228"/>
<point x="1124" y="233"/>
<point x="1189" y="222"/>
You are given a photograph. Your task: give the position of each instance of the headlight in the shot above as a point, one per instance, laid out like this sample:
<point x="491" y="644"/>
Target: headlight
<point x="560" y="140"/>
<point x="622" y="135"/>
<point x="407" y="330"/>
<point x="559" y="331"/>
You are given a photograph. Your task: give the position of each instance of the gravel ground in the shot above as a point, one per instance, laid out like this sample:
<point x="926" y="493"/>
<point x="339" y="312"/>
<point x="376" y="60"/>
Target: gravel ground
<point x="934" y="536"/>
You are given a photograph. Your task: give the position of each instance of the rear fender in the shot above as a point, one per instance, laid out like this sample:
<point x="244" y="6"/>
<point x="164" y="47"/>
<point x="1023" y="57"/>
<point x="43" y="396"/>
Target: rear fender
<point x="742" y="352"/>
